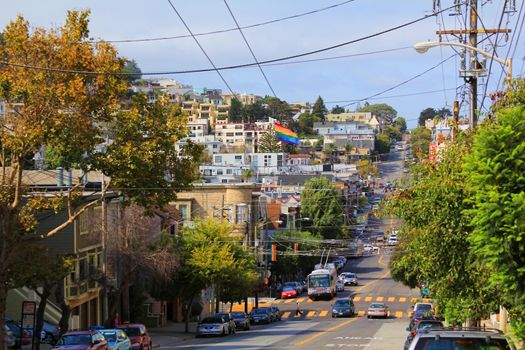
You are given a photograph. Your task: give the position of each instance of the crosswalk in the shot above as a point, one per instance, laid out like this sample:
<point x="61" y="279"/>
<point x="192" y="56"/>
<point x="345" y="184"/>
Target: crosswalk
<point x="313" y="314"/>
<point x="357" y="299"/>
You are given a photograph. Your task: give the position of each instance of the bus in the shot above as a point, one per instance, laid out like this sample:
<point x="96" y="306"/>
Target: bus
<point x="322" y="282"/>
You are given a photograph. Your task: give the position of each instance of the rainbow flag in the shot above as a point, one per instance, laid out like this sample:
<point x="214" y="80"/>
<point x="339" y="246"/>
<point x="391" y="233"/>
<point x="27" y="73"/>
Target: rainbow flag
<point x="285" y="134"/>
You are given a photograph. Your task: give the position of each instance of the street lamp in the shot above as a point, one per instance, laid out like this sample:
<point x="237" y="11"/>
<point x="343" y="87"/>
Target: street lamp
<point x="423" y="47"/>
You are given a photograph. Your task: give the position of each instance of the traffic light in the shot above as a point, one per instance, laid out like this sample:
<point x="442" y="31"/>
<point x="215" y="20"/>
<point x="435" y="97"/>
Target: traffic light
<point x="274" y="252"/>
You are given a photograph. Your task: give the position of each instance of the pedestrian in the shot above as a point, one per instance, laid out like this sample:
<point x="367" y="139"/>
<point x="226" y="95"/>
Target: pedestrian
<point x="116" y="320"/>
<point x="298" y="310"/>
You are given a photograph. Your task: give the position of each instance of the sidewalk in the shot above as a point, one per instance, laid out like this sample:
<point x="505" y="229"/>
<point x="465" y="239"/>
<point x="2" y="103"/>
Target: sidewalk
<point x="172" y="334"/>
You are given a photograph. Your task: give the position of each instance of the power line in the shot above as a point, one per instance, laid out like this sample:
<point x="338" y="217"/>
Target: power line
<point x="200" y="46"/>
<point x="229" y="29"/>
<point x="286" y="58"/>
<point x="395" y="96"/>
<point x="250" y="48"/>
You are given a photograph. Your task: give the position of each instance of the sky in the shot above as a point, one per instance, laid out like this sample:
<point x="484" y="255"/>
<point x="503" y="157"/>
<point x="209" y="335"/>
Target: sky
<point x="376" y="64"/>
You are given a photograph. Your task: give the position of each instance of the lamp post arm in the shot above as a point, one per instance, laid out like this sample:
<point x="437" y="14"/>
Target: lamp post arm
<point x="483" y="52"/>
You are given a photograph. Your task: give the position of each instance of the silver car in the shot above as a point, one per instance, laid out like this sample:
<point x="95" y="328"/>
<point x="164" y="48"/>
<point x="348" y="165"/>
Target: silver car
<point x="213" y="326"/>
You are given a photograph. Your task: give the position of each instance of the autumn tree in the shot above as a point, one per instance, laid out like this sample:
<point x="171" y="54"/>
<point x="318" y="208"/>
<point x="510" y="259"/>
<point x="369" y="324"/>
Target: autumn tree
<point x="71" y="111"/>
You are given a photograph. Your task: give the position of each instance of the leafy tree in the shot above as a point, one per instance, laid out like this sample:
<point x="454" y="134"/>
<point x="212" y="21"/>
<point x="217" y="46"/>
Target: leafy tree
<point x="420" y="141"/>
<point x="253" y="112"/>
<point x="494" y="171"/>
<point x="337" y="110"/>
<point x="365" y="168"/>
<point x="269" y="143"/>
<point x="306" y="124"/>
<point x="69" y="113"/>
<point x="392" y="132"/>
<point x="277" y="108"/>
<point x="235" y="111"/>
<point x="435" y="248"/>
<point x="382" y="144"/>
<point x="319" y="110"/>
<point x="321" y="202"/>
<point x="349" y="147"/>
<point x="443" y="112"/>
<point x="380" y="110"/>
<point x="132" y="71"/>
<point x="427" y="113"/>
<point x="246" y="174"/>
<point x="401" y="124"/>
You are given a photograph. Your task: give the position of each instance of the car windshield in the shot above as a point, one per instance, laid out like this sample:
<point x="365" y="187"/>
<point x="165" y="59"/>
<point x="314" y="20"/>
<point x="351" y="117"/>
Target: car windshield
<point x="350" y="275"/>
<point x="427" y="325"/>
<point x="423" y="307"/>
<point x="110" y="336"/>
<point x="462" y="344"/>
<point x="258" y="311"/>
<point x="342" y="303"/>
<point x="290" y="284"/>
<point x="288" y="288"/>
<point x="208" y="320"/>
<point x="238" y="314"/>
<point x="377" y="306"/>
<point x="319" y="281"/>
<point x="75" y="339"/>
<point x="132" y="331"/>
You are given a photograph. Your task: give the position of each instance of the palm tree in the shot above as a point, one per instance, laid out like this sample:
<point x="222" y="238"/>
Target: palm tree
<point x="246" y="174"/>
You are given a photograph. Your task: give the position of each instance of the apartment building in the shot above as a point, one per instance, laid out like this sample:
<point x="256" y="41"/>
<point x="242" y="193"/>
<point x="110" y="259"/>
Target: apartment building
<point x="233" y="164"/>
<point x="241" y="136"/>
<point x="243" y="97"/>
<point x="366" y="118"/>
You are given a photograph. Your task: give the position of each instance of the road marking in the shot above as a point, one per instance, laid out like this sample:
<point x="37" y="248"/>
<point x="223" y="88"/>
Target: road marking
<point x="323" y="313"/>
<point x="310" y="314"/>
<point x="288" y="301"/>
<point x="309" y="300"/>
<point x="300" y="300"/>
<point x="402" y="299"/>
<point x="391" y="299"/>
<point x="399" y="314"/>
<point x="277" y="301"/>
<point x="413" y="300"/>
<point x="323" y="332"/>
<point x="286" y="314"/>
<point x="356" y="299"/>
<point x="361" y="313"/>
<point x="379" y="299"/>
<point x="298" y="315"/>
<point x="368" y="299"/>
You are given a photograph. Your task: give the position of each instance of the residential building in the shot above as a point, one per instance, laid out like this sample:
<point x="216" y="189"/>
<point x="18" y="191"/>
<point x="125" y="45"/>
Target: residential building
<point x="299" y="159"/>
<point x="340" y="134"/>
<point x="234" y="163"/>
<point x="198" y="128"/>
<point x="362" y="117"/>
<point x="241" y="136"/>
<point x="243" y="97"/>
<point x="211" y="145"/>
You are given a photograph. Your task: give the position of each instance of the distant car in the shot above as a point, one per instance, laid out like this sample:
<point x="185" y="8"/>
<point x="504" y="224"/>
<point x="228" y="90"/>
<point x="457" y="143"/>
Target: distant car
<point x="349" y="278"/>
<point x="260" y="315"/>
<point x="288" y="292"/>
<point x="117" y="339"/>
<point x="82" y="340"/>
<point x="377" y="310"/>
<point x="213" y="326"/>
<point x="340" y="286"/>
<point x="422" y="308"/>
<point x="241" y="320"/>
<point x="228" y="317"/>
<point x="275" y="313"/>
<point x="138" y="335"/>
<point x="343" y="307"/>
<point x="296" y="285"/>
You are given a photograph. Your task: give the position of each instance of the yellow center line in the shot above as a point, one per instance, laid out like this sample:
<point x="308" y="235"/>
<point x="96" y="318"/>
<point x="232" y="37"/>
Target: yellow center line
<point x="317" y="335"/>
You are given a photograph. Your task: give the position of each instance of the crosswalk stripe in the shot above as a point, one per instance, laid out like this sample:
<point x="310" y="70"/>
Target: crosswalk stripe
<point x="288" y="301"/>
<point x="391" y="299"/>
<point x="379" y="299"/>
<point x="368" y="298"/>
<point x="286" y="314"/>
<point x="309" y="300"/>
<point x="323" y="313"/>
<point x="277" y="301"/>
<point x="300" y="300"/>
<point x="298" y="315"/>
<point x="361" y="313"/>
<point x="310" y="314"/>
<point x="399" y="314"/>
<point x="402" y="299"/>
<point x="356" y="299"/>
<point x="413" y="300"/>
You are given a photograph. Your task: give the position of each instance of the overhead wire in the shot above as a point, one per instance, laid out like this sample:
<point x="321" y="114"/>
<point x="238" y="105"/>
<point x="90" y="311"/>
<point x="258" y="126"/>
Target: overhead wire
<point x="202" y="48"/>
<point x="250" y="48"/>
<point x="229" y="29"/>
<point x="285" y="58"/>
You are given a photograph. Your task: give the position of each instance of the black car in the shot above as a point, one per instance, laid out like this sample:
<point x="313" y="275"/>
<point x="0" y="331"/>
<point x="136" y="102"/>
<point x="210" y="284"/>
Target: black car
<point x="343" y="307"/>
<point x="261" y="315"/>
<point x="276" y="313"/>
<point x="242" y="321"/>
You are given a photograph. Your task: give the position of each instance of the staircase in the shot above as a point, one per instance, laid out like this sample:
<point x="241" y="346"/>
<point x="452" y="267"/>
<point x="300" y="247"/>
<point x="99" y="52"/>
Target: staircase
<point x="15" y="298"/>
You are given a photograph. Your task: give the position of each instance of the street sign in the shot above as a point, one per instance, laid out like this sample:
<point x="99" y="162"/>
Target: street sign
<point x="27" y="321"/>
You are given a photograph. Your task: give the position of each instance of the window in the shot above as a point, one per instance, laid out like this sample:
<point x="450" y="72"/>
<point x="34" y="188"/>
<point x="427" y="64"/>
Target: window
<point x="183" y="208"/>
<point x="229" y="171"/>
<point x="279" y="160"/>
<point x="229" y="134"/>
<point x="238" y="127"/>
<point x="238" y="158"/>
<point x="267" y="160"/>
<point x="220" y="172"/>
<point x="82" y="269"/>
<point x="83" y="223"/>
<point x="241" y="213"/>
<point x="218" y="159"/>
<point x="238" y="134"/>
<point x="249" y="133"/>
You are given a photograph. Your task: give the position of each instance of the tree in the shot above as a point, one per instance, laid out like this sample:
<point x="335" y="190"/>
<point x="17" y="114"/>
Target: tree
<point x="380" y="110"/>
<point x="444" y="112"/>
<point x="235" y="111"/>
<point x="306" y="124"/>
<point x="321" y="202"/>
<point x="337" y="110"/>
<point x="269" y="143"/>
<point x="132" y="71"/>
<point x="253" y="112"/>
<point x="246" y="174"/>
<point x="427" y="113"/>
<point x="435" y="248"/>
<point x="277" y="108"/>
<point x="382" y="144"/>
<point x="420" y="141"/>
<point x="494" y="171"/>
<point x="70" y="112"/>
<point x="366" y="168"/>
<point x="401" y="124"/>
<point x="392" y="132"/>
<point x="319" y="109"/>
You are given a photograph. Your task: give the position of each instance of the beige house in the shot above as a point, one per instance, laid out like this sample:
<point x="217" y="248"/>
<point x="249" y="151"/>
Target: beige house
<point x="206" y="110"/>
<point x="362" y="117"/>
<point x="244" y="98"/>
<point x="241" y="136"/>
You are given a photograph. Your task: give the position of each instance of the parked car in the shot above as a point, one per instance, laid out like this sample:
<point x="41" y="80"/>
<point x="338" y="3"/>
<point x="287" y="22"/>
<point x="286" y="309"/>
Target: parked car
<point x="50" y="333"/>
<point x="295" y="285"/>
<point x="458" y="338"/>
<point x="227" y="317"/>
<point x="377" y="310"/>
<point x="242" y="321"/>
<point x="340" y="285"/>
<point x="9" y="338"/>
<point x="213" y="326"/>
<point x="288" y="292"/>
<point x="424" y="324"/>
<point x="82" y="340"/>
<point x="117" y="339"/>
<point x="343" y="307"/>
<point x="138" y="335"/>
<point x="22" y="337"/>
<point x="276" y="313"/>
<point x="260" y="315"/>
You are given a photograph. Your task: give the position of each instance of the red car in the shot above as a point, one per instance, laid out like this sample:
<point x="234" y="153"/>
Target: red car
<point x="138" y="335"/>
<point x="288" y="292"/>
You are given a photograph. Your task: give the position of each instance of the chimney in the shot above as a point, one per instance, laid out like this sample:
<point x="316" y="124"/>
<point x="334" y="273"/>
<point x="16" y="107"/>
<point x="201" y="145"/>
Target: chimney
<point x="60" y="177"/>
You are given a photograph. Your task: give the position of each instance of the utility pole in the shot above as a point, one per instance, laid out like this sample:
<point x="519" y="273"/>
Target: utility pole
<point x="473" y="79"/>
